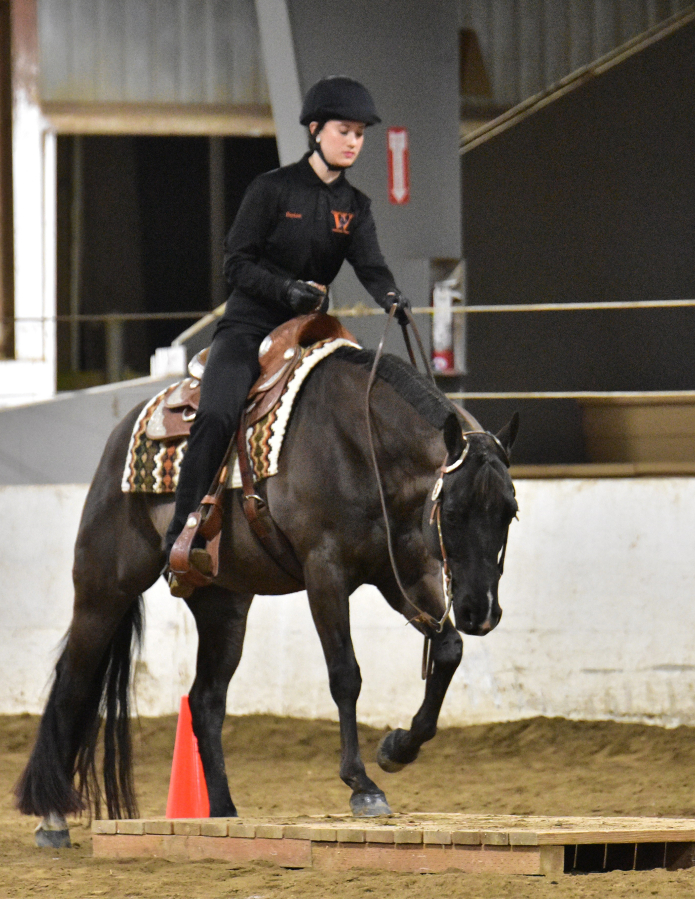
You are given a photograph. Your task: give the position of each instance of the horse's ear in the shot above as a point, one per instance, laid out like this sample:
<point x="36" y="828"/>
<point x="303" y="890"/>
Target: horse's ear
<point x="507" y="435"/>
<point x="453" y="438"/>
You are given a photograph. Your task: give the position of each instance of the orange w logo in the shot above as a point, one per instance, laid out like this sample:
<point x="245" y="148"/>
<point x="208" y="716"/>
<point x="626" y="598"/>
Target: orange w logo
<point x="342" y="221"/>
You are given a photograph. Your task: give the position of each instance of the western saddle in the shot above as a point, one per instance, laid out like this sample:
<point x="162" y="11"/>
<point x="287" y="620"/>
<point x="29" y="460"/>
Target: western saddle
<point x="279" y="355"/>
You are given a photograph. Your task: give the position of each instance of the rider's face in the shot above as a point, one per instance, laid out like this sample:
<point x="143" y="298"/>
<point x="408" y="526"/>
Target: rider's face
<point x="341" y="142"/>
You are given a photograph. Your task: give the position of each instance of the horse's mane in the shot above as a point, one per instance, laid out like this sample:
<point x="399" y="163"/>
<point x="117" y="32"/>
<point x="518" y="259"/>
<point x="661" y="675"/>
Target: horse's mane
<point x="415" y="389"/>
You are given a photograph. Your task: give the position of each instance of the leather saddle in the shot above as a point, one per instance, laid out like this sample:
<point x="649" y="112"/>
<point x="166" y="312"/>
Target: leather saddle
<point x="279" y="355"/>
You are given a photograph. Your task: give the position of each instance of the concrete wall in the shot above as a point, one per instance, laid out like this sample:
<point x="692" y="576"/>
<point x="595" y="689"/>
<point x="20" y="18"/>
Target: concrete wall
<point x="598" y="618"/>
<point x="60" y="441"/>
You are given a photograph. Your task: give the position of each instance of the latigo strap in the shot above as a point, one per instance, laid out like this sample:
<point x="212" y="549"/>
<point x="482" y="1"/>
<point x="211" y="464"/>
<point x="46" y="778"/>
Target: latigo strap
<point x="258" y="516"/>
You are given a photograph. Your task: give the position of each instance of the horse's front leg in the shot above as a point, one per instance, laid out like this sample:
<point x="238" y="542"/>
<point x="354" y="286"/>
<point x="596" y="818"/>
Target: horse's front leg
<point x="220" y="617"/>
<point x="401" y="747"/>
<point x="329" y="602"/>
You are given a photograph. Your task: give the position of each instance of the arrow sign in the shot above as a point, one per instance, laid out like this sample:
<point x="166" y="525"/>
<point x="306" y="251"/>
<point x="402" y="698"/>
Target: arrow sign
<point x="398" y="165"/>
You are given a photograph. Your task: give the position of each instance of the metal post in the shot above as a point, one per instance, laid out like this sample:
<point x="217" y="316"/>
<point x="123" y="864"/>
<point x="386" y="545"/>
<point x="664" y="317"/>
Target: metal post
<point x="218" y="290"/>
<point x="277" y="47"/>
<point x="114" y="349"/>
<point x="75" y="251"/>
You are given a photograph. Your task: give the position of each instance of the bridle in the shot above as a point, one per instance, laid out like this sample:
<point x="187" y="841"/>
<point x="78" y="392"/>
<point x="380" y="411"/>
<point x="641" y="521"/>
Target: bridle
<point x="436" y="514"/>
<point x="429" y="622"/>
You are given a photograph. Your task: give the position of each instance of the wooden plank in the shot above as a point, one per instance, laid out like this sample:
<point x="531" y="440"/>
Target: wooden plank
<point x="605" y="470"/>
<point x="286" y="853"/>
<point x="310" y="832"/>
<point x="442" y="830"/>
<point x="552" y="860"/>
<point x="214" y="827"/>
<point x="439" y="837"/>
<point x="269" y="831"/>
<point x="187" y="827"/>
<point x="350" y="835"/>
<point x="128" y="846"/>
<point x="159" y="119"/>
<point x="580" y="837"/>
<point x="238" y="829"/>
<point x="159" y="827"/>
<point x="380" y="834"/>
<point x="427" y="860"/>
<point x="132" y="826"/>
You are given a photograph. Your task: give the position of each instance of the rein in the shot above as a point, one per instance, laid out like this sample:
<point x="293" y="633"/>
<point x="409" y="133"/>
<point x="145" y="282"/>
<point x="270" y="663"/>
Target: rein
<point x="423" y="617"/>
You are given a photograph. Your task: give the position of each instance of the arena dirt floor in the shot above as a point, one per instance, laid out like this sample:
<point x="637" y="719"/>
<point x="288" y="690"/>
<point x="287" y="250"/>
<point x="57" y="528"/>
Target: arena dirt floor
<point x="283" y="766"/>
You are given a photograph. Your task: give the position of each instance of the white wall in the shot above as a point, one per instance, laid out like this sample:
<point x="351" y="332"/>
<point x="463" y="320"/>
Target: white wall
<point x="30" y="376"/>
<point x="598" y="621"/>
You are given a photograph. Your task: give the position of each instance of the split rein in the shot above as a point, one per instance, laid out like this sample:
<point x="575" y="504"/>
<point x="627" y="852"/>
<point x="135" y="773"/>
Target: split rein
<point x="428" y="621"/>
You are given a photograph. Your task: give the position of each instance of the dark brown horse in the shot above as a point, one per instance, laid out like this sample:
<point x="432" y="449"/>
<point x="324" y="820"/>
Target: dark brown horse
<point x="325" y="500"/>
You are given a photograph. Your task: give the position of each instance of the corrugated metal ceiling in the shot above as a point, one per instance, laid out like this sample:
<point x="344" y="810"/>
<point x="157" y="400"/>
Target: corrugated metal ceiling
<point x="151" y="51"/>
<point x="528" y="45"/>
<point x="207" y="51"/>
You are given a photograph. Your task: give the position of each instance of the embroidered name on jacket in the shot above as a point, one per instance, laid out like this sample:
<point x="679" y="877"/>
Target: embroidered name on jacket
<point x="293" y="215"/>
<point x="342" y="221"/>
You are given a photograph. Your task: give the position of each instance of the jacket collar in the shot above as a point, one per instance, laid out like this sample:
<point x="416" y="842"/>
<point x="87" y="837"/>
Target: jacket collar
<point x="309" y="176"/>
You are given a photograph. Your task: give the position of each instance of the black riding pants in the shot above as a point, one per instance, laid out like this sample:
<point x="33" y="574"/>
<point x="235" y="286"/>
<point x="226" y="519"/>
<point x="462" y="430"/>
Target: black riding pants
<point x="231" y="370"/>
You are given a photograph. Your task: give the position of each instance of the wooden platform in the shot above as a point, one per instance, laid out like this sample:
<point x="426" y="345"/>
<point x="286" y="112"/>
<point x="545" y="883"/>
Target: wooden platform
<point x="425" y="843"/>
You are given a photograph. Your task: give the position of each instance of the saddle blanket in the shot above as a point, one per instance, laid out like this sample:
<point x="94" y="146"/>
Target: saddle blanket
<point x="153" y="466"/>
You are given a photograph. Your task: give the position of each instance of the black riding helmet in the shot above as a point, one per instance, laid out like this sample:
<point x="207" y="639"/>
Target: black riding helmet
<point x="339" y="97"/>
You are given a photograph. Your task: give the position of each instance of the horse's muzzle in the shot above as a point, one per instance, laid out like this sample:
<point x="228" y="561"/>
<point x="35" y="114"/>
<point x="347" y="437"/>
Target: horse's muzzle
<point x="469" y="623"/>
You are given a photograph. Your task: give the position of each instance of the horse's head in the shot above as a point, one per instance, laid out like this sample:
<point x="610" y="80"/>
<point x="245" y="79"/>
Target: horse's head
<point x="477" y="504"/>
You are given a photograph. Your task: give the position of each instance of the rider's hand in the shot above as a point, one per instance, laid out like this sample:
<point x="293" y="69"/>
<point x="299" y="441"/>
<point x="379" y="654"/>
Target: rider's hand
<point x="303" y="297"/>
<point x="402" y="304"/>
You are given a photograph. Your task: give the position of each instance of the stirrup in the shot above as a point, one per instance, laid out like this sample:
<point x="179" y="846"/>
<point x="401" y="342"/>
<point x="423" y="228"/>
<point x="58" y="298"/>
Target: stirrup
<point x="189" y="567"/>
<point x="183" y="583"/>
<point x="177" y="587"/>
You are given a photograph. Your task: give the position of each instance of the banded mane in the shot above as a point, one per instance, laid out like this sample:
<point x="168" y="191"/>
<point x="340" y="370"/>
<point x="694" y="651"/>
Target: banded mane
<point x="409" y="383"/>
<point x="489" y="485"/>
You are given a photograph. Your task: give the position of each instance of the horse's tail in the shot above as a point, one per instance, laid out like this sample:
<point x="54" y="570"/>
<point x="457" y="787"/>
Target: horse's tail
<point x="58" y="758"/>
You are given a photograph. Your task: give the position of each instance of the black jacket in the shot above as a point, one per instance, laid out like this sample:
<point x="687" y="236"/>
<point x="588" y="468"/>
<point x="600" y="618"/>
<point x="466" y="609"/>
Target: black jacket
<point x="291" y="225"/>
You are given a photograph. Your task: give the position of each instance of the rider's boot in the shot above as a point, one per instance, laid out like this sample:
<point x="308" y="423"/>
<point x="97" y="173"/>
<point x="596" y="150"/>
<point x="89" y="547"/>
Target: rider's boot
<point x="190" y="565"/>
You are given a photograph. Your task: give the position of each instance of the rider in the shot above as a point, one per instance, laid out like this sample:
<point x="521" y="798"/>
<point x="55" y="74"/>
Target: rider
<point x="294" y="228"/>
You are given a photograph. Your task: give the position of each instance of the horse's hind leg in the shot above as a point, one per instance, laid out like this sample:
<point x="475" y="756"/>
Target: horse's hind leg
<point x="400" y="747"/>
<point x="116" y="559"/>
<point x="329" y="601"/>
<point x="220" y="617"/>
<point x="95" y="658"/>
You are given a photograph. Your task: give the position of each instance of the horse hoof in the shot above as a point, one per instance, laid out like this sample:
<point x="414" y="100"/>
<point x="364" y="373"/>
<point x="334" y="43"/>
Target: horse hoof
<point x="384" y="761"/>
<point x="388" y="753"/>
<point x="52" y="839"/>
<point x="369" y="805"/>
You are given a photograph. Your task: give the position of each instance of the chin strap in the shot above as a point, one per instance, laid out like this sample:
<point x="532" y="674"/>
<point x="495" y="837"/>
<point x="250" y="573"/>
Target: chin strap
<point x="329" y="166"/>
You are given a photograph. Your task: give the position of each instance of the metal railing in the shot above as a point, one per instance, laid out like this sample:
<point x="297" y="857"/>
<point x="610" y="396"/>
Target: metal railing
<point x="362" y="310"/>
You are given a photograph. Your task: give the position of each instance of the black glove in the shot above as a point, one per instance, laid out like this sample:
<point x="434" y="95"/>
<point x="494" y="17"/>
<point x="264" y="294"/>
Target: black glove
<point x="303" y="297"/>
<point x="402" y="303"/>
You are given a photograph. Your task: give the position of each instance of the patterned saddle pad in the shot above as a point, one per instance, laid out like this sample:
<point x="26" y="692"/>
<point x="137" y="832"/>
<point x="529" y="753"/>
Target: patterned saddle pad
<point x="152" y="466"/>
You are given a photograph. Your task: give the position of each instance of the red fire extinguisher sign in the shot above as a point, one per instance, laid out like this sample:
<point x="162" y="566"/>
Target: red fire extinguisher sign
<point x="398" y="165"/>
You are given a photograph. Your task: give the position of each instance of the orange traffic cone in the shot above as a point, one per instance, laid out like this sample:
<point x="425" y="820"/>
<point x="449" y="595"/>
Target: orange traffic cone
<point x="188" y="792"/>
